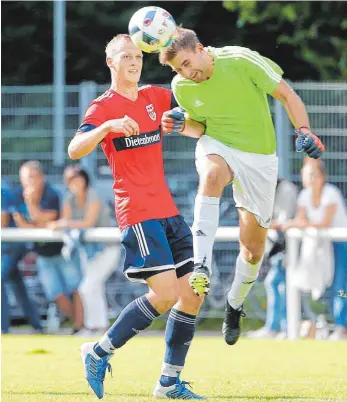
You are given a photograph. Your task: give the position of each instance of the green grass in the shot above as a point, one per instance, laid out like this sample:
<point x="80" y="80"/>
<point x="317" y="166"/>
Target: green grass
<point x="48" y="368"/>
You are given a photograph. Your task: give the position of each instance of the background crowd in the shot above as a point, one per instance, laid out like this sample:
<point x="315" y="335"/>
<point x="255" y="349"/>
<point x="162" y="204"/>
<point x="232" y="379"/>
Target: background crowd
<point x="73" y="274"/>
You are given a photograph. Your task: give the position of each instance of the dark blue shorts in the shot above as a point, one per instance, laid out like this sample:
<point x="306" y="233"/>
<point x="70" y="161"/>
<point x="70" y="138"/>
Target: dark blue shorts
<point x="156" y="246"/>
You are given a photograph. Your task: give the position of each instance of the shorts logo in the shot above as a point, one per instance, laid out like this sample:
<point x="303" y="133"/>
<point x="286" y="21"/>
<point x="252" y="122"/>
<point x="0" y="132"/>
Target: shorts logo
<point x="137" y="141"/>
<point x="151" y="112"/>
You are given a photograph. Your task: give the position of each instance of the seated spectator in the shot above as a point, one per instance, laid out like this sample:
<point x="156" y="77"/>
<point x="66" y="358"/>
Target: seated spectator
<point x="321" y="205"/>
<point x="11" y="254"/>
<point x="83" y="208"/>
<point x="37" y="204"/>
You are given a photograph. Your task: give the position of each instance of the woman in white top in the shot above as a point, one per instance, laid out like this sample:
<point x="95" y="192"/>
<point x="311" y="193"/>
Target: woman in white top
<point x="321" y="205"/>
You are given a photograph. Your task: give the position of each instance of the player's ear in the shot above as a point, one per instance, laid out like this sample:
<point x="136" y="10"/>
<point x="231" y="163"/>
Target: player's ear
<point x="199" y="47"/>
<point x="109" y="62"/>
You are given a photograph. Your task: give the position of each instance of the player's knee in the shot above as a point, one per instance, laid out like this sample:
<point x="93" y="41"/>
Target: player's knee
<point x="191" y="302"/>
<point x="252" y="255"/>
<point x="169" y="299"/>
<point x="213" y="179"/>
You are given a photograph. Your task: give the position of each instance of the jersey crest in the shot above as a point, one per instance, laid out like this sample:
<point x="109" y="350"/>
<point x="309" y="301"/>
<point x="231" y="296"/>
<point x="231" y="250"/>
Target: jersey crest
<point x="151" y="112"/>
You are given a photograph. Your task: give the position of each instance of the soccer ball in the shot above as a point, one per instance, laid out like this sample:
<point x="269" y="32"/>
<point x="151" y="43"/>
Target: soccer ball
<point x="151" y="29"/>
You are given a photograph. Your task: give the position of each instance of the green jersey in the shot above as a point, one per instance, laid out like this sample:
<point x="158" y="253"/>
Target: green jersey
<point x="233" y="102"/>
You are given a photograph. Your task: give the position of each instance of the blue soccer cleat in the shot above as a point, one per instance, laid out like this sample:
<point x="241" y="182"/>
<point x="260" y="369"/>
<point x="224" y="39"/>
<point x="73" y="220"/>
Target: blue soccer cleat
<point x="94" y="368"/>
<point x="176" y="391"/>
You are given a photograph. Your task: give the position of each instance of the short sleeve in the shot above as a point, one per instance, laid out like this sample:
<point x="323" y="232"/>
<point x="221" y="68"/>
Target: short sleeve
<point x="163" y="97"/>
<point x="303" y="198"/>
<point x="95" y="115"/>
<point x="331" y="196"/>
<point x="264" y="73"/>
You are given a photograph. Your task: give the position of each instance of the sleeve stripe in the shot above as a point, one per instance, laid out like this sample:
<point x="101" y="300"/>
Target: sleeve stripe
<point x="256" y="59"/>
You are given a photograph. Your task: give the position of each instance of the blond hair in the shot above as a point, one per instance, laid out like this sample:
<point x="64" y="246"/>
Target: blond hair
<point x="182" y="39"/>
<point x="113" y="44"/>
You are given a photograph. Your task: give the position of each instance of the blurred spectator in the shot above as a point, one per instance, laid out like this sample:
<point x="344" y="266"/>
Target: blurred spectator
<point x="11" y="254"/>
<point x="37" y="204"/>
<point x="321" y="205"/>
<point x="284" y="209"/>
<point x="83" y="208"/>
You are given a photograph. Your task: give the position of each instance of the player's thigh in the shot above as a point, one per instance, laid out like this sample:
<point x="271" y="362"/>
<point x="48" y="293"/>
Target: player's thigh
<point x="214" y="174"/>
<point x="147" y="251"/>
<point x="252" y="236"/>
<point x="164" y="285"/>
<point x="180" y="240"/>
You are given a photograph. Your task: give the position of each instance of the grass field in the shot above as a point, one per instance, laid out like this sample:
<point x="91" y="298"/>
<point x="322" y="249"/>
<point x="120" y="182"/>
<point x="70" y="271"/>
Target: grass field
<point x="48" y="368"/>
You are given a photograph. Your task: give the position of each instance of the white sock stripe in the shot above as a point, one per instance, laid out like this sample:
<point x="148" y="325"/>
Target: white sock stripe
<point x="256" y="59"/>
<point x="143" y="238"/>
<point x="138" y="241"/>
<point x="143" y="310"/>
<point x="147" y="309"/>
<point x="179" y="317"/>
<point x="144" y="307"/>
<point x="178" y="265"/>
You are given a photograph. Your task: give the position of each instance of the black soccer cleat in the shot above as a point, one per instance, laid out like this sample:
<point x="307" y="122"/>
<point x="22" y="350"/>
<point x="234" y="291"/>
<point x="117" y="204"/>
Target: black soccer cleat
<point x="231" y="328"/>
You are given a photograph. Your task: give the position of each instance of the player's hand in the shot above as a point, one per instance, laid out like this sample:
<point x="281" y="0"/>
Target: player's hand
<point x="173" y="120"/>
<point x="127" y="126"/>
<point x="309" y="143"/>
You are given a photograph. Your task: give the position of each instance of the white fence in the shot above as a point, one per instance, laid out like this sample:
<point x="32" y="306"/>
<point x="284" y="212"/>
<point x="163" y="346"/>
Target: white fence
<point x="224" y="234"/>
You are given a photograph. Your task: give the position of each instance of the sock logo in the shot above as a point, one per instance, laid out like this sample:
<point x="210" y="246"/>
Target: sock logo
<point x="199" y="233"/>
<point x="248" y="283"/>
<point x="188" y="343"/>
<point x="136" y="330"/>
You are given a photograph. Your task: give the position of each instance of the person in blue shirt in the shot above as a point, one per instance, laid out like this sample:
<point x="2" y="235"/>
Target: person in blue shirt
<point x="11" y="254"/>
<point x="38" y="204"/>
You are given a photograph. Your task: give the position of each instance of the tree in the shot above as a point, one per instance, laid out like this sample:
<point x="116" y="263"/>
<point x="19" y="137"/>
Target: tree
<point x="307" y="39"/>
<point x="313" y="35"/>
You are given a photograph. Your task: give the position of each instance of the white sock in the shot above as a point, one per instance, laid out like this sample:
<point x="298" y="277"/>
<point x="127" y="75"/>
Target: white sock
<point x="170" y="370"/>
<point x="245" y="275"/>
<point x="206" y="220"/>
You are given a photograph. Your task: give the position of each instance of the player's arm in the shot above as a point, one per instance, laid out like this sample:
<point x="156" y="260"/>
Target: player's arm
<point x="178" y="121"/>
<point x="293" y="104"/>
<point x="306" y="141"/>
<point x="95" y="127"/>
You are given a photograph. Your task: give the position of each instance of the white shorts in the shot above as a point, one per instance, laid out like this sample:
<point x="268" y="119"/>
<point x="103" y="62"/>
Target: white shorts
<point x="255" y="177"/>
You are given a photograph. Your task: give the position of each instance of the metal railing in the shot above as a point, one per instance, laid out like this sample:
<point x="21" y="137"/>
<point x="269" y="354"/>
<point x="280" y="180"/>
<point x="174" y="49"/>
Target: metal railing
<point x="224" y="234"/>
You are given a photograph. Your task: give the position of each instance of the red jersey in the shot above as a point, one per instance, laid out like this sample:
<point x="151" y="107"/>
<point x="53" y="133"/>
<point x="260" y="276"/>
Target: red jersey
<point x="137" y="165"/>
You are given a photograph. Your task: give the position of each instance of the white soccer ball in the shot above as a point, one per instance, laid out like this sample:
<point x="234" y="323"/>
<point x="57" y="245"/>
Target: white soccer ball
<point x="151" y="29"/>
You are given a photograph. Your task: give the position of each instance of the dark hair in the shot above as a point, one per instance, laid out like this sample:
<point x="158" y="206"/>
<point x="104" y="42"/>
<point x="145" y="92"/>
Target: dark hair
<point x="182" y="39"/>
<point x="75" y="171"/>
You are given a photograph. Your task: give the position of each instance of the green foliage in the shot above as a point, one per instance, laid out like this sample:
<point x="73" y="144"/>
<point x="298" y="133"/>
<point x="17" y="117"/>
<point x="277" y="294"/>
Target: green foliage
<point x="308" y="39"/>
<point x="314" y="32"/>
